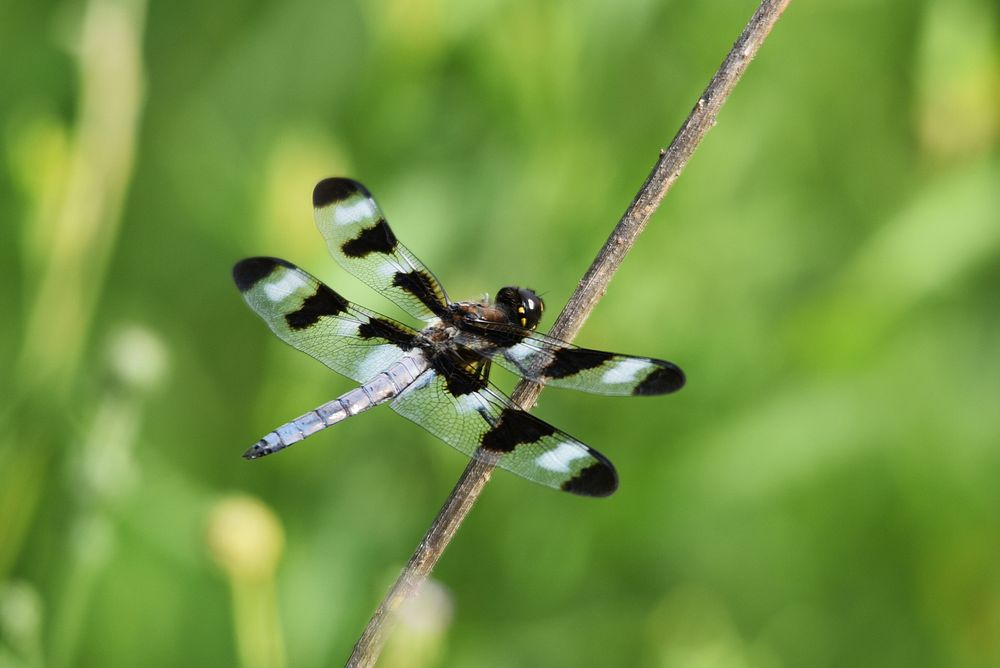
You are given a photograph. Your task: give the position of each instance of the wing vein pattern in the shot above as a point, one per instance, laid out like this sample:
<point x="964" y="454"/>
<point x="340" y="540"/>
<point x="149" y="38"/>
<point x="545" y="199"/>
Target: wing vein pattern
<point x="361" y="241"/>
<point x="308" y="315"/>
<point x="557" y="363"/>
<point x="484" y="424"/>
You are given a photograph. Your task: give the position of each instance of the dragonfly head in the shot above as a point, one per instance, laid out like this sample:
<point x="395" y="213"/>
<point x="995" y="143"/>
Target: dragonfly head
<point x="523" y="306"/>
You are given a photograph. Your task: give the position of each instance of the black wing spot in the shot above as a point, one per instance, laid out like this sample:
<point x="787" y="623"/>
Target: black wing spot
<point x="248" y="272"/>
<point x="598" y="479"/>
<point x="464" y="381"/>
<point x="375" y="239"/>
<point x="664" y="379"/>
<point x="421" y="286"/>
<point x="568" y="361"/>
<point x="461" y="375"/>
<point x="324" y="302"/>
<point x="378" y="328"/>
<point x="333" y="190"/>
<point x="515" y="428"/>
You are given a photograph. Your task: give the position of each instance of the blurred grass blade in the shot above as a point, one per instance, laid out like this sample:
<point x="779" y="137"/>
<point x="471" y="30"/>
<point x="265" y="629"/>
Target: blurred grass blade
<point x="948" y="230"/>
<point x="86" y="224"/>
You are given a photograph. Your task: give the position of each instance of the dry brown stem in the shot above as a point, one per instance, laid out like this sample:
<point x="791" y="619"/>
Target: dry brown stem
<point x="591" y="288"/>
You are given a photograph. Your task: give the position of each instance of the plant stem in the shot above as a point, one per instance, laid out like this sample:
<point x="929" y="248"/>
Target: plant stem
<point x="590" y="289"/>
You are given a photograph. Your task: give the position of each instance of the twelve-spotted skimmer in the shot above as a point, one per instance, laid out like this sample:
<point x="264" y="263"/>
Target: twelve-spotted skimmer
<point x="438" y="376"/>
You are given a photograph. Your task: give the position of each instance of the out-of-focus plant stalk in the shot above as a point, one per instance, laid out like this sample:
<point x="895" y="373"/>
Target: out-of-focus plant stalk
<point x="102" y="473"/>
<point x="78" y="234"/>
<point x="20" y="625"/>
<point x="423" y="627"/>
<point x="85" y="225"/>
<point x="246" y="539"/>
<point x="80" y="230"/>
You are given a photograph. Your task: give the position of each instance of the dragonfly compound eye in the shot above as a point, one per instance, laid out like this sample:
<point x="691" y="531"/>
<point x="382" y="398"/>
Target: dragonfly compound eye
<point x="523" y="306"/>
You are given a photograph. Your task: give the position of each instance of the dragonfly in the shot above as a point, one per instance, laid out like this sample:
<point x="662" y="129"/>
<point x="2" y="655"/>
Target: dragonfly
<point x="437" y="376"/>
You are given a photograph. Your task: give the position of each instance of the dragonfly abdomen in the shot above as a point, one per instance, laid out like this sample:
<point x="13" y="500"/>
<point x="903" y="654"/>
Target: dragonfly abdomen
<point x="378" y="390"/>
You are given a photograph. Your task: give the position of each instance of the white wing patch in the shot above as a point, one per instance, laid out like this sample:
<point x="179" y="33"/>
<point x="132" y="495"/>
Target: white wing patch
<point x="519" y="352"/>
<point x="473" y="403"/>
<point x="284" y="286"/>
<point x="624" y="372"/>
<point x="559" y="459"/>
<point x="373" y="364"/>
<point x="422" y="380"/>
<point x="351" y="214"/>
<point x="387" y="270"/>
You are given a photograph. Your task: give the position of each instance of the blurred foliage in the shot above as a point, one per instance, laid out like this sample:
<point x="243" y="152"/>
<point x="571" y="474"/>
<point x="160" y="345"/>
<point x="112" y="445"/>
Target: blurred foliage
<point x="827" y="270"/>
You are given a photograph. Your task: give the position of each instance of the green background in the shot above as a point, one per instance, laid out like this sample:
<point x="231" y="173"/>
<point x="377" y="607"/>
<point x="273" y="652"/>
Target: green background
<point x="824" y="492"/>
